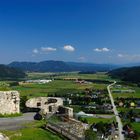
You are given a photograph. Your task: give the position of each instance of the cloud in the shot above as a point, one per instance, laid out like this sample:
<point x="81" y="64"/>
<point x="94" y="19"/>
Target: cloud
<point x="120" y="55"/>
<point x="82" y="58"/>
<point x="130" y="57"/>
<point x="43" y="50"/>
<point x="69" y="48"/>
<point x="35" y="51"/>
<point x="102" y="49"/>
<point x="48" y="49"/>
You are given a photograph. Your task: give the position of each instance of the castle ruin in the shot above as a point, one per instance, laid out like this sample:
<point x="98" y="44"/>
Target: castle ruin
<point x="9" y="102"/>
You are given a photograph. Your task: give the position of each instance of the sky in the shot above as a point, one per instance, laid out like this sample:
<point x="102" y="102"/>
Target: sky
<point x="94" y="31"/>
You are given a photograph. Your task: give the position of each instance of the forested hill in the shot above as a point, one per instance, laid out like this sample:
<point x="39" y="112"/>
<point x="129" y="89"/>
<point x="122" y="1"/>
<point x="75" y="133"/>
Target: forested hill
<point x="10" y="73"/>
<point x="60" y="66"/>
<point x="131" y="74"/>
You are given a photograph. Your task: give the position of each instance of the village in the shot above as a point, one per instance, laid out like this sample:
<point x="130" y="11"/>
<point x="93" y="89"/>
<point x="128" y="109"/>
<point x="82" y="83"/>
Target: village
<point x="76" y="116"/>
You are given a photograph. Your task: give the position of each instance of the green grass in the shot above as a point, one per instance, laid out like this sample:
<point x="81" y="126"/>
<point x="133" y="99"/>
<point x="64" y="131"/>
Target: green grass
<point x="76" y="108"/>
<point x="126" y="95"/>
<point x="10" y="115"/>
<point x="128" y="109"/>
<point x="32" y="132"/>
<point x="54" y="119"/>
<point x="57" y="86"/>
<point x="38" y="75"/>
<point x="99" y="75"/>
<point x="136" y="126"/>
<point x="91" y="120"/>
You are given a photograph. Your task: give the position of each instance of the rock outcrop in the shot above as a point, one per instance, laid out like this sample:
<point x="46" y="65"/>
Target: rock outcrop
<point x="3" y="137"/>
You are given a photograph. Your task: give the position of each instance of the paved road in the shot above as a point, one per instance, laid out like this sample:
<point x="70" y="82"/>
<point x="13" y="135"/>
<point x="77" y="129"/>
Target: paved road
<point x="121" y="136"/>
<point x="16" y="122"/>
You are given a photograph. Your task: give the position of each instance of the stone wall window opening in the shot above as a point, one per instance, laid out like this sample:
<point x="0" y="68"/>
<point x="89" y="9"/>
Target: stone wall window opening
<point x="45" y="103"/>
<point x="50" y="108"/>
<point x="38" y="104"/>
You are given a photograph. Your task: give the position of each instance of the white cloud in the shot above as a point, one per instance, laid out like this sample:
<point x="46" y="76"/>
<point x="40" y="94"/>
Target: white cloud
<point x="48" y="49"/>
<point x="82" y="58"/>
<point x="105" y="49"/>
<point x="35" y="51"/>
<point x="102" y="49"/>
<point x="69" y="48"/>
<point x="130" y="57"/>
<point x="120" y="55"/>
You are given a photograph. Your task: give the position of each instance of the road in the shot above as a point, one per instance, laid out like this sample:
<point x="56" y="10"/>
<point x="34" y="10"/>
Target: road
<point x="16" y="122"/>
<point x="120" y="126"/>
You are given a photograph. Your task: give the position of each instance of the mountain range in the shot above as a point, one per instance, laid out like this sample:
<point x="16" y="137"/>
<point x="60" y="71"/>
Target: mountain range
<point x="60" y="66"/>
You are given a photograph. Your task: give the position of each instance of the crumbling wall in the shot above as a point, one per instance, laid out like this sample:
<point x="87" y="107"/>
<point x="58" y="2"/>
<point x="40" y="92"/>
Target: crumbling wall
<point x="9" y="102"/>
<point x="46" y="104"/>
<point x="66" y="111"/>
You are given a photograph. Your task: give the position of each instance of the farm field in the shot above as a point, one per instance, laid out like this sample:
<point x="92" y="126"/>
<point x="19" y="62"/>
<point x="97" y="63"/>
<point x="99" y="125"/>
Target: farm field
<point x="127" y="95"/>
<point x="59" y="87"/>
<point x="97" y="76"/>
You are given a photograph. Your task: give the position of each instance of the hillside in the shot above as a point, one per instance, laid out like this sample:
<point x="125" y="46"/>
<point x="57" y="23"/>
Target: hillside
<point x="10" y="73"/>
<point x="131" y="74"/>
<point x="60" y="66"/>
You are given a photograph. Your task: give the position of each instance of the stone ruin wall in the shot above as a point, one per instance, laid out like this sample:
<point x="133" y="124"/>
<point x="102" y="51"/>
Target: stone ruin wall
<point x="50" y="105"/>
<point x="9" y="102"/>
<point x="46" y="104"/>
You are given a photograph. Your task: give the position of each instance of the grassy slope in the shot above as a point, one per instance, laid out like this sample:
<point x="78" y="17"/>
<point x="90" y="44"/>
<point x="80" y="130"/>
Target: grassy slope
<point x="32" y="132"/>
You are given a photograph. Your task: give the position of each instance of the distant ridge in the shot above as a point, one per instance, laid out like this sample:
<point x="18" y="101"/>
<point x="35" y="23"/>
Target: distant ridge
<point x="131" y="74"/>
<point x="10" y="73"/>
<point x="60" y="66"/>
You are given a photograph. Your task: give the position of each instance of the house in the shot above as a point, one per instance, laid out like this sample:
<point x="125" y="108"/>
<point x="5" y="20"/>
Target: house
<point x="132" y="104"/>
<point x="137" y="119"/>
<point x="43" y="81"/>
<point x="121" y="104"/>
<point x="138" y="104"/>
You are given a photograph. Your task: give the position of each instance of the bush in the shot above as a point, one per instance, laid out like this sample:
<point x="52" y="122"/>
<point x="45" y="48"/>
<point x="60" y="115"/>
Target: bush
<point x="90" y="135"/>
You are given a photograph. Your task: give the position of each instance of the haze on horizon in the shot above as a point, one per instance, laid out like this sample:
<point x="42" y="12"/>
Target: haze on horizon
<point x="95" y="31"/>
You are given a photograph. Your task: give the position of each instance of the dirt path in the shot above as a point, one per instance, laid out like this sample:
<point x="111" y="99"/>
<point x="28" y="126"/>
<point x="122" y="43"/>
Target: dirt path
<point x="16" y="122"/>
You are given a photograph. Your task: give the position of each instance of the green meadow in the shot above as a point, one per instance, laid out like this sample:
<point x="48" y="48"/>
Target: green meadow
<point x="61" y="86"/>
<point x="32" y="131"/>
<point x="126" y="95"/>
<point x="91" y="120"/>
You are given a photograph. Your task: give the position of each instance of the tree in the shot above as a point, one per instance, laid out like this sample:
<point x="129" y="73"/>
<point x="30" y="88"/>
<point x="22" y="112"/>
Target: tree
<point x="23" y="100"/>
<point x="101" y="127"/>
<point x="90" y="135"/>
<point x="84" y="120"/>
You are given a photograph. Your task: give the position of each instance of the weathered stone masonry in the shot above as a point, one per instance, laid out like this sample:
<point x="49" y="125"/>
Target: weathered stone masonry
<point x="9" y="102"/>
